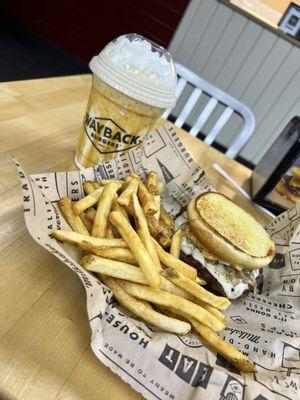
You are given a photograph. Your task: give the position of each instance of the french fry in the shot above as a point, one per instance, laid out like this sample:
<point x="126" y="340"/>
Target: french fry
<point x="86" y="222"/>
<point x="157" y="202"/>
<point x="109" y="232"/>
<point x="168" y="286"/>
<point x="172" y="262"/>
<point x="188" y="296"/>
<point x="159" y="231"/>
<point x="165" y="299"/>
<point x="226" y="350"/>
<point x="151" y="183"/>
<point x="113" y="253"/>
<point x="176" y="243"/>
<point x="113" y="268"/>
<point x="137" y="247"/>
<point x="214" y="342"/>
<point x="126" y="271"/>
<point x="73" y="220"/>
<point x="103" y="209"/>
<point x="90" y="186"/>
<point x="166" y="218"/>
<point x="160" y="186"/>
<point x="107" y="181"/>
<point x="87" y="201"/>
<point x="131" y="188"/>
<point x="143" y="232"/>
<point x="90" y="214"/>
<point x="222" y="303"/>
<point x="213" y="310"/>
<point x="172" y="273"/>
<point x="78" y="239"/>
<point x="146" y="200"/>
<point x="134" y="175"/>
<point x="146" y="313"/>
<point x="116" y="207"/>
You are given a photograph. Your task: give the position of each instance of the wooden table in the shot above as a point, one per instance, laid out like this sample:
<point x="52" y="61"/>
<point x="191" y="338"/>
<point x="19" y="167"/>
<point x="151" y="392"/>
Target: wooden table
<point x="44" y="329"/>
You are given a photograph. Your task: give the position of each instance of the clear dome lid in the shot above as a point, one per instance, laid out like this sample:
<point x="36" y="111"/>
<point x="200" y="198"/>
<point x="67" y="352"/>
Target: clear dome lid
<point x="139" y="68"/>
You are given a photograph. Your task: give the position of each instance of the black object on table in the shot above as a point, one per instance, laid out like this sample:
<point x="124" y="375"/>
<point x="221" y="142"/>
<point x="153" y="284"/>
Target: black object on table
<point x="275" y="166"/>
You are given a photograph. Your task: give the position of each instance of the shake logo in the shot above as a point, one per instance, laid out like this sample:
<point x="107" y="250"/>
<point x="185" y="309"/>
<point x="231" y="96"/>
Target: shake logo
<point x="107" y="136"/>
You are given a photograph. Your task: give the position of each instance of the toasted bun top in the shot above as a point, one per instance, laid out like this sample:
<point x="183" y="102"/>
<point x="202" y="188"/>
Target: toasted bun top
<point x="233" y="224"/>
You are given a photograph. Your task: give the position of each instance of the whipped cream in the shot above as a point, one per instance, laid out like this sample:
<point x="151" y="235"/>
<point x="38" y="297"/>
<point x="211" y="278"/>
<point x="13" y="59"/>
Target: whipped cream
<point x="138" y="68"/>
<point x="136" y="58"/>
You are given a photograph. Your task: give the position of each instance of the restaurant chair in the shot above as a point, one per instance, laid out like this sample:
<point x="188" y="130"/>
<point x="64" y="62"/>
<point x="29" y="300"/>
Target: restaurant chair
<point x="216" y="95"/>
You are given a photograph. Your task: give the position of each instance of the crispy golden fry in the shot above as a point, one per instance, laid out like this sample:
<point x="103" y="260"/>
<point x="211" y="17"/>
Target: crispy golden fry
<point x="157" y="202"/>
<point x="143" y="232"/>
<point x="87" y="201"/>
<point x="146" y="313"/>
<point x="222" y="303"/>
<point x="131" y="188"/>
<point x="173" y="274"/>
<point x="159" y="231"/>
<point x="213" y="310"/>
<point x="169" y="261"/>
<point x="177" y="303"/>
<point x="116" y="207"/>
<point x="160" y="186"/>
<point x="103" y="209"/>
<point x="90" y="186"/>
<point x="214" y="342"/>
<point x="146" y="200"/>
<point x="79" y="239"/>
<point x="73" y="220"/>
<point x="176" y="243"/>
<point x="151" y="183"/>
<point x="86" y="222"/>
<point x="185" y="295"/>
<point x="168" y="286"/>
<point x="134" y="175"/>
<point x="166" y="218"/>
<point x="137" y="247"/>
<point x="226" y="350"/>
<point x="90" y="214"/>
<point x="113" y="268"/>
<point x="113" y="253"/>
<point x="109" y="232"/>
<point x="106" y="181"/>
<point x="125" y="270"/>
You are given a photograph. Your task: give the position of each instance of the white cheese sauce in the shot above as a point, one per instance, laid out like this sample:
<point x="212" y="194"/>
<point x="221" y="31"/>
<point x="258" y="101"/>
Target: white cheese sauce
<point x="234" y="282"/>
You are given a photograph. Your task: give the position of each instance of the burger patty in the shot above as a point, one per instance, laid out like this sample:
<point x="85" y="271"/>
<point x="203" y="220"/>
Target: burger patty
<point x="293" y="189"/>
<point x="202" y="272"/>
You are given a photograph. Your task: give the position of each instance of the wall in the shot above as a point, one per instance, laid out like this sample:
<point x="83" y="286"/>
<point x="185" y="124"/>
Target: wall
<point x="83" y="28"/>
<point x="246" y="60"/>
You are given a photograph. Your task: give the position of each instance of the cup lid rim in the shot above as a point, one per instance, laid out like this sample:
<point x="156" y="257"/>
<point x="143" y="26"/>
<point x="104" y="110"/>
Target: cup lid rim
<point x="140" y="91"/>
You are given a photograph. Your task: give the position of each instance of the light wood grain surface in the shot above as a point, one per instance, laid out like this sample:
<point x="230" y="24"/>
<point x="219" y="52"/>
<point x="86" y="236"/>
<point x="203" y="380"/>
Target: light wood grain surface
<point x="44" y="329"/>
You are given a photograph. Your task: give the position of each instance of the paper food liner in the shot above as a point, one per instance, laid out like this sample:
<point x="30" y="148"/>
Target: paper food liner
<point x="264" y="326"/>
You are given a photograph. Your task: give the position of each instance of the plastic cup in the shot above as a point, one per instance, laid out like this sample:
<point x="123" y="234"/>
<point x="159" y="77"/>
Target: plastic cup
<point x="133" y="83"/>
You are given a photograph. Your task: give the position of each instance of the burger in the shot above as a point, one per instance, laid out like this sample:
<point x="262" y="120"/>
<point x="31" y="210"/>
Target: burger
<point x="289" y="185"/>
<point x="224" y="243"/>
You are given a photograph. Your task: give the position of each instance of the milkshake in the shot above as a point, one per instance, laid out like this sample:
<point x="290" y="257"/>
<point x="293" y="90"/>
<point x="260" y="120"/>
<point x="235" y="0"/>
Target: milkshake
<point x="133" y="83"/>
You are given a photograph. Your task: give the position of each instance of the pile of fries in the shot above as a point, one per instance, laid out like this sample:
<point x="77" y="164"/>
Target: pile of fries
<point x="129" y="242"/>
